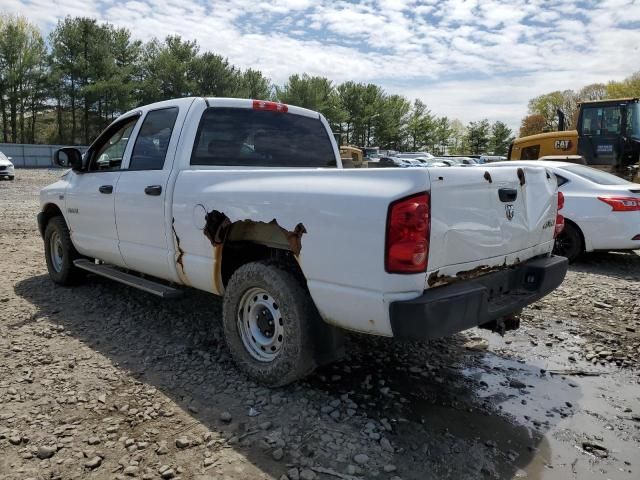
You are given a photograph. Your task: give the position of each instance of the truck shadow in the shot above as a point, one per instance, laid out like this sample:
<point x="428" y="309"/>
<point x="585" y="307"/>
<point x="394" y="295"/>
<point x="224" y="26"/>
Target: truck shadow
<point x="447" y="412"/>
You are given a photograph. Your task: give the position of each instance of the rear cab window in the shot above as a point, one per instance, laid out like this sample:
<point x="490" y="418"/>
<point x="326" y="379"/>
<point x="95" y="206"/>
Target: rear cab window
<point x="256" y="138"/>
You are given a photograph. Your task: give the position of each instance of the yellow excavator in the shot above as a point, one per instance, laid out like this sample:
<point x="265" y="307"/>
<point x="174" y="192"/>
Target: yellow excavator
<point x="351" y="157"/>
<point x="607" y="137"/>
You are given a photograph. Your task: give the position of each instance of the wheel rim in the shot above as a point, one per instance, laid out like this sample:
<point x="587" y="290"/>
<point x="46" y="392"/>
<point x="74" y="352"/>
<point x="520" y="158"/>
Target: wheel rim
<point x="260" y="324"/>
<point x="55" y="251"/>
<point x="564" y="245"/>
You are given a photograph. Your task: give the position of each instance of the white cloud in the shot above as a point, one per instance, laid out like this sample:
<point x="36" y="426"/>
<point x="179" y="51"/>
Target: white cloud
<point x="465" y="58"/>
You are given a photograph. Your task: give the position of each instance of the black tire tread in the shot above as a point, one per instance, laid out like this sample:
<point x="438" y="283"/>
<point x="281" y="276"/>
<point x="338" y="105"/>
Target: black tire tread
<point x="70" y="274"/>
<point x="576" y="237"/>
<point x="296" y="359"/>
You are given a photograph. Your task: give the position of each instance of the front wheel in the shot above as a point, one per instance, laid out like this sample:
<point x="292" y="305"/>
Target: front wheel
<point x="268" y="318"/>
<point x="569" y="243"/>
<point x="60" y="253"/>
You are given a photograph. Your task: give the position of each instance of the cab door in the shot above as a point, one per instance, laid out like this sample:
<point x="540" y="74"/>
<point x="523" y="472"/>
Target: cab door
<point x="90" y="196"/>
<point x="142" y="208"/>
<point x="600" y="134"/>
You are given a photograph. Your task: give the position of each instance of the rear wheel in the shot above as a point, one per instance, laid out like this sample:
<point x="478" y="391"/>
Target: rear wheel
<point x="268" y="319"/>
<point x="60" y="253"/>
<point x="569" y="243"/>
<point x="11" y="178"/>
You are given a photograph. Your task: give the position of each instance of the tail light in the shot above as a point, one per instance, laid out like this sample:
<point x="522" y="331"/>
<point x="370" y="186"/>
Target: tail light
<point x="270" y="106"/>
<point x="559" y="218"/>
<point x="622" y="204"/>
<point x="408" y="228"/>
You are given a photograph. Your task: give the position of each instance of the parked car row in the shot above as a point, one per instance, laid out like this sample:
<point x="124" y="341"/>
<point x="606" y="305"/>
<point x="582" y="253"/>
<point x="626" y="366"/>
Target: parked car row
<point x="409" y="162"/>
<point x="420" y="159"/>
<point x="458" y="161"/>
<point x="423" y="159"/>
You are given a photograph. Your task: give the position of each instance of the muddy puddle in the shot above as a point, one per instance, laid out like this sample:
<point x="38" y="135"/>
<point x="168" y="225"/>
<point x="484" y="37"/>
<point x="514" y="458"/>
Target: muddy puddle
<point x="506" y="412"/>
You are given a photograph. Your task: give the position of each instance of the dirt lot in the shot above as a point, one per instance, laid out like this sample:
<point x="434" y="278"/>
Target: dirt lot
<point x="102" y="381"/>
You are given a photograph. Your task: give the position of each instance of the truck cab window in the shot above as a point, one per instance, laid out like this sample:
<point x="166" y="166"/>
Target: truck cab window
<point x="111" y="145"/>
<point x="150" y="149"/>
<point x="245" y="137"/>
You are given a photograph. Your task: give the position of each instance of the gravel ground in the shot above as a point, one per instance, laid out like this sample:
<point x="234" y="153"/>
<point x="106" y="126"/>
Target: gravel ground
<point x="103" y="381"/>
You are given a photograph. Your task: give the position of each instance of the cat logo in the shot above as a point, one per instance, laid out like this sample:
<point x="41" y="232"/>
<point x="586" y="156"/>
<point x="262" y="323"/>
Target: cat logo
<point x="562" y="144"/>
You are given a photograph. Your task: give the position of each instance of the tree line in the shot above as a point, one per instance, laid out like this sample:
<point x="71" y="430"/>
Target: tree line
<point x="542" y="115"/>
<point x="66" y="88"/>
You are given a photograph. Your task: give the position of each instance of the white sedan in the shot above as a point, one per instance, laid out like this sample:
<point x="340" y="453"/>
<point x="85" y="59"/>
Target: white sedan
<point x="6" y="167"/>
<point x="602" y="211"/>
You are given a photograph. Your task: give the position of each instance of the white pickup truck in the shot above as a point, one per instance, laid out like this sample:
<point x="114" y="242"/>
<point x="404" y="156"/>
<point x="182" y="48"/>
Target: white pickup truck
<point x="248" y="200"/>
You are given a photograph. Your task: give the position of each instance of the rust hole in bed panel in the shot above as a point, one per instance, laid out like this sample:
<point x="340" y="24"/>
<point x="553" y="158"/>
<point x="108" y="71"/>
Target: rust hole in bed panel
<point x="218" y="228"/>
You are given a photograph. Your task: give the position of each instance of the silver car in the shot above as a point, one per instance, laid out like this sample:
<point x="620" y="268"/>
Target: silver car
<point x="7" y="169"/>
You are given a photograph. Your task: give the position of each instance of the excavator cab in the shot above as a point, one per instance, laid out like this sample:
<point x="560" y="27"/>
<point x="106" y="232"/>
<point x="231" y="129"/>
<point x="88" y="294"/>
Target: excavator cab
<point x="608" y="135"/>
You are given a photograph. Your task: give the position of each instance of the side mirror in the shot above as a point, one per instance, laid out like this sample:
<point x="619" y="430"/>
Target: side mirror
<point x="68" y="157"/>
<point x="9" y="158"/>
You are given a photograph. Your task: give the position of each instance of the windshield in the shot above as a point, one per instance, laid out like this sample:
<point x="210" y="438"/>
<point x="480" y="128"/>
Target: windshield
<point x="601" y="120"/>
<point x="633" y="120"/>
<point x="593" y="175"/>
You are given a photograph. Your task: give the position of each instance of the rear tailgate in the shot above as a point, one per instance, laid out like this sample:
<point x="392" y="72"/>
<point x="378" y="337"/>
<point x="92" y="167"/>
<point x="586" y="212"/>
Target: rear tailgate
<point x="486" y="218"/>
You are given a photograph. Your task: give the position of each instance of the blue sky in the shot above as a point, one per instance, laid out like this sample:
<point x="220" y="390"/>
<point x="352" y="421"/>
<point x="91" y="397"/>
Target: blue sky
<point x="466" y="59"/>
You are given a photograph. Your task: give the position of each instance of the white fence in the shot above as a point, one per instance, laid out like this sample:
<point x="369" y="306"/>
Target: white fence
<point x="32" y="156"/>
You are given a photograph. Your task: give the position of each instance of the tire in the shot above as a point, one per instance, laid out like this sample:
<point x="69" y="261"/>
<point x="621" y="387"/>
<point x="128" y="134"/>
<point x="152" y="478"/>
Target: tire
<point x="569" y="243"/>
<point x="268" y="320"/>
<point x="11" y="178"/>
<point x="60" y="253"/>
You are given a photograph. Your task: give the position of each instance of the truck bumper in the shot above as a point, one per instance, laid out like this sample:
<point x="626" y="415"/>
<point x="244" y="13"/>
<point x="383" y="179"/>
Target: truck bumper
<point x="443" y="311"/>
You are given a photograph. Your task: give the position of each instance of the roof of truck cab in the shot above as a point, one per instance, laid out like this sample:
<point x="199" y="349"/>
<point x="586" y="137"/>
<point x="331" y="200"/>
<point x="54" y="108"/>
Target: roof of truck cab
<point x="220" y="102"/>
<point x="224" y="102"/>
